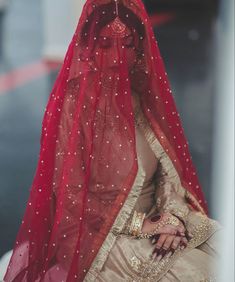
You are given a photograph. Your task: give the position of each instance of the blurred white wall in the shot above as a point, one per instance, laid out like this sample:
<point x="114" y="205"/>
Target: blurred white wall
<point x="60" y="18"/>
<point x="223" y="153"/>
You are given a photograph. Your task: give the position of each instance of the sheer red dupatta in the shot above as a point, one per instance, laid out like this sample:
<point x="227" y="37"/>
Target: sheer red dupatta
<point x="87" y="162"/>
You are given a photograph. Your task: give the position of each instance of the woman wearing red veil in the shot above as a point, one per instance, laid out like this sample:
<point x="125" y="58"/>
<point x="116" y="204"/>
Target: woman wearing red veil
<point x="115" y="196"/>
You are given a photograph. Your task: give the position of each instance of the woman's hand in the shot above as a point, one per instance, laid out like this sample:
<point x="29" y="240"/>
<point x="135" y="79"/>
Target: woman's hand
<point x="168" y="237"/>
<point x="166" y="244"/>
<point x="150" y="224"/>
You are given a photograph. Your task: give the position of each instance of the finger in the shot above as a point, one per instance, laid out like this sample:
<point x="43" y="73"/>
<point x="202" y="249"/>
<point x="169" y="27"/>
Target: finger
<point x="176" y="242"/>
<point x="184" y="240"/>
<point x="158" y="246"/>
<point x="164" y="249"/>
<point x="161" y="241"/>
<point x="165" y="252"/>
<point x="178" y="233"/>
<point x="184" y="232"/>
<point x="158" y="258"/>
<point x="168" y="242"/>
<point x="161" y="254"/>
<point x="171" y="250"/>
<point x="183" y="244"/>
<point x="169" y="254"/>
<point x="181" y="229"/>
<point x="169" y="229"/>
<point x="154" y="255"/>
<point x="155" y="238"/>
<point x="188" y="235"/>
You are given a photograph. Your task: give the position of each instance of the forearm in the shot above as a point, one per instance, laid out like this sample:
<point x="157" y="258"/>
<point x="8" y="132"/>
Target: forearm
<point x="173" y="204"/>
<point x="169" y="194"/>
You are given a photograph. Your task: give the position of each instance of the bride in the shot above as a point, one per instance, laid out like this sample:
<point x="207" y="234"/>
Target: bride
<point x="115" y="196"/>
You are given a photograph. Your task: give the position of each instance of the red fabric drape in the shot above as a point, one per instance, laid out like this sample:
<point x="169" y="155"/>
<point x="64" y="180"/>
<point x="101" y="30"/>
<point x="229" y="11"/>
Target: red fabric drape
<point x="88" y="161"/>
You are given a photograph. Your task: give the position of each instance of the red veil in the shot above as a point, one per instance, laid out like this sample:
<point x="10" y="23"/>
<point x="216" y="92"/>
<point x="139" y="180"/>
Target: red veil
<point x="88" y="160"/>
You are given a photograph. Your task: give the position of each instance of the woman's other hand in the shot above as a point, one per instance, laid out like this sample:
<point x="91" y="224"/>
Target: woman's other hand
<point x="151" y="223"/>
<point x="166" y="244"/>
<point x="168" y="237"/>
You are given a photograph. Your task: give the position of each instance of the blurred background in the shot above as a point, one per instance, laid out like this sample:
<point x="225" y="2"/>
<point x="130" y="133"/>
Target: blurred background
<point x="196" y="42"/>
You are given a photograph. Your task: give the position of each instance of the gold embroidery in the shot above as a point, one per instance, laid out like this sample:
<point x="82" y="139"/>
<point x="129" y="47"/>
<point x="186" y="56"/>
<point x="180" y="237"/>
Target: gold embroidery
<point x="117" y="228"/>
<point x="169" y="181"/>
<point x="146" y="271"/>
<point x="135" y="263"/>
<point x="158" y="202"/>
<point x="165" y="159"/>
<point x="150" y="270"/>
<point x="181" y="211"/>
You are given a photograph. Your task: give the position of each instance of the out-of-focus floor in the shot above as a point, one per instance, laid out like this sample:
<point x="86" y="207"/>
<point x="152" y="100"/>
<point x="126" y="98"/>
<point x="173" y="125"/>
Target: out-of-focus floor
<point x="186" y="40"/>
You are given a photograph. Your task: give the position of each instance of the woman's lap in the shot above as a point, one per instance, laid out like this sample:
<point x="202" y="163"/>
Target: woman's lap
<point x="129" y="259"/>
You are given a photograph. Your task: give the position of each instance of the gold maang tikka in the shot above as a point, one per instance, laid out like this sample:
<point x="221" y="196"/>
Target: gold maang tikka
<point x="118" y="27"/>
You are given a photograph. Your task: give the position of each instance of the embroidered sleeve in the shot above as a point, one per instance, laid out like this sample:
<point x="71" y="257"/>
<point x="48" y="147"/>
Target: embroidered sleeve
<point x="169" y="195"/>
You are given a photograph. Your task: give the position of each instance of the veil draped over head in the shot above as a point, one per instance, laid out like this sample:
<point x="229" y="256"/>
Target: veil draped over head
<point x="88" y="160"/>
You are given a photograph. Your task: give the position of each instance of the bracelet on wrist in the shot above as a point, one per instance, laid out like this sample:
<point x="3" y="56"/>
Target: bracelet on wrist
<point x="171" y="220"/>
<point x="136" y="223"/>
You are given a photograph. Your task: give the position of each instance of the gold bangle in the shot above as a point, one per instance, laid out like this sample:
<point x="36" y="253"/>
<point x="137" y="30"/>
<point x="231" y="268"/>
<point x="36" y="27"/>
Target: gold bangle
<point x="172" y="220"/>
<point x="132" y="222"/>
<point x="136" y="223"/>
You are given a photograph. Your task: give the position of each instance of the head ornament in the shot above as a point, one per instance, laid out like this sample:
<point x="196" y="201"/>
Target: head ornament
<point x="118" y="27"/>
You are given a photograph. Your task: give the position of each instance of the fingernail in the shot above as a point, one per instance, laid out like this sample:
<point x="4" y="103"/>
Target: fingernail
<point x="158" y="258"/>
<point x="172" y="251"/>
<point x="154" y="256"/>
<point x="164" y="253"/>
<point x="189" y="234"/>
<point x="157" y="236"/>
<point x="160" y="252"/>
<point x="157" y="252"/>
